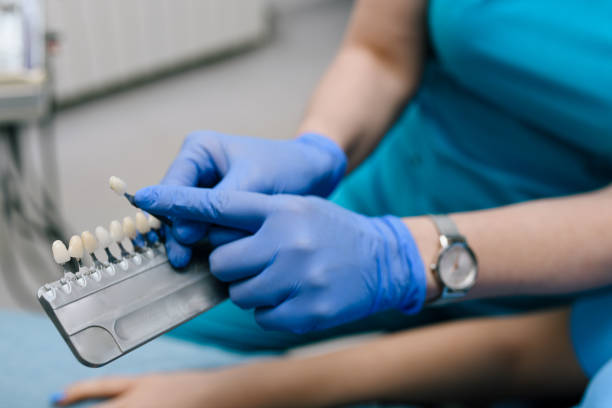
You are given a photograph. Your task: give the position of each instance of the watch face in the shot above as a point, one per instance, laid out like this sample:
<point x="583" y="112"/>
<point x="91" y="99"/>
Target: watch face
<point x="457" y="267"/>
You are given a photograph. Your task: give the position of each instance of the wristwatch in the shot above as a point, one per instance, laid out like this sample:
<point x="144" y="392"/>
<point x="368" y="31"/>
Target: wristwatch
<point x="456" y="267"/>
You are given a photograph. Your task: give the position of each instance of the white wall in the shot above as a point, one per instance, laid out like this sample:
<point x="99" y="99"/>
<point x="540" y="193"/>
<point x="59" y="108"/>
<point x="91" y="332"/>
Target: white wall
<point x="110" y="42"/>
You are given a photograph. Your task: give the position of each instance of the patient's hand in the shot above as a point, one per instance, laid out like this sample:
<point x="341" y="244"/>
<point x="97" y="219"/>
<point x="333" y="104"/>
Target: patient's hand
<point x="180" y="390"/>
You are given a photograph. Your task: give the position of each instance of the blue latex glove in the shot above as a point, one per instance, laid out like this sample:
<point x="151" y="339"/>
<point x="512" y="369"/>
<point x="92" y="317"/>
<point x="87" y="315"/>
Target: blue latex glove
<point x="308" y="264"/>
<point x="310" y="164"/>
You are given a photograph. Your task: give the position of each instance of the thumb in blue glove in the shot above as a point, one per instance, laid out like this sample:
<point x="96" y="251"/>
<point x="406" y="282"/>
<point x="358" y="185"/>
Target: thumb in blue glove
<point x="308" y="263"/>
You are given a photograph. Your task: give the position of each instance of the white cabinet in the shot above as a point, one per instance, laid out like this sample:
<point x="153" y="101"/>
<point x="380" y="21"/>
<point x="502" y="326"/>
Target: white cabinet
<point x="110" y="42"/>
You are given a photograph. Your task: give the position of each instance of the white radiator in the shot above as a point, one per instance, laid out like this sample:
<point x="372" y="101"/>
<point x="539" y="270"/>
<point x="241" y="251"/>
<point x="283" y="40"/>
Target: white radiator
<point x="110" y="42"/>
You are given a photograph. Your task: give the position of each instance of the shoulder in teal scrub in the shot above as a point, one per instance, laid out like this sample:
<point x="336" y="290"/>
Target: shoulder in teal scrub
<point x="515" y="105"/>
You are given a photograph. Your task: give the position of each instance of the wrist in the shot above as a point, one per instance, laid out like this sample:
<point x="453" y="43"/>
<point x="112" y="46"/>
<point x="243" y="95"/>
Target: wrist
<point x="289" y="381"/>
<point x="336" y="167"/>
<point x="427" y="240"/>
<point x="261" y="384"/>
<point x="403" y="281"/>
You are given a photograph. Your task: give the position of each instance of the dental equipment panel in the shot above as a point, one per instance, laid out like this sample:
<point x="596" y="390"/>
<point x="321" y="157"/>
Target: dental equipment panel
<point x="108" y="308"/>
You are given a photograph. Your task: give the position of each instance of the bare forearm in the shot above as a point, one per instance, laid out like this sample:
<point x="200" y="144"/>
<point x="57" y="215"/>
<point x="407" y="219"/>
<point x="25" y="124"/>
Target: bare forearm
<point x="482" y="359"/>
<point x="549" y="246"/>
<point x="377" y="69"/>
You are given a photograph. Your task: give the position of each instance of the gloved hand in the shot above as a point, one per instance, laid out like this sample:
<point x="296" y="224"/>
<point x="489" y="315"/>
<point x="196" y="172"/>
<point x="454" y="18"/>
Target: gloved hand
<point x="309" y="263"/>
<point x="310" y="164"/>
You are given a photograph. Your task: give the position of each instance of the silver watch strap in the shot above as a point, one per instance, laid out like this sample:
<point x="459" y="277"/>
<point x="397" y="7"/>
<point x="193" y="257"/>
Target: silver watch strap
<point x="448" y="233"/>
<point x="446" y="226"/>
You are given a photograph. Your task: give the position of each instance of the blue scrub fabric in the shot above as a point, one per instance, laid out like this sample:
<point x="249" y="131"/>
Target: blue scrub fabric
<point x="591" y="331"/>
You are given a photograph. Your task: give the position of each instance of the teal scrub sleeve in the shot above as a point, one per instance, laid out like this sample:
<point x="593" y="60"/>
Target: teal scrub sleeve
<point x="545" y="64"/>
<point x="591" y="331"/>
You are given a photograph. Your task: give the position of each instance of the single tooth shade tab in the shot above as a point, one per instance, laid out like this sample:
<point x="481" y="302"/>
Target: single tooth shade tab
<point x="103" y="236"/>
<point x="142" y="224"/>
<point x="116" y="231"/>
<point x="117" y="185"/>
<point x="89" y="241"/>
<point x="60" y="252"/>
<point x="75" y="247"/>
<point x="154" y="223"/>
<point x="129" y="227"/>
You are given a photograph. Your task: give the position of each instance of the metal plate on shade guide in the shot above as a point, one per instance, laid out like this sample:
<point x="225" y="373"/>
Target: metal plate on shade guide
<point x="108" y="318"/>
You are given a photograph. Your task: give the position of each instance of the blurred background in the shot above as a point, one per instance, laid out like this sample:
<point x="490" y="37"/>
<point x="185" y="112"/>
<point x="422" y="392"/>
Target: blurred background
<point x="90" y="89"/>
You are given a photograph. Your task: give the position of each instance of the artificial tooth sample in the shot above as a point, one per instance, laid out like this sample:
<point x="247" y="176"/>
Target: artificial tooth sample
<point x="129" y="227"/>
<point x="62" y="257"/>
<point x="129" y="230"/>
<point x="75" y="249"/>
<point x="156" y="226"/>
<point x="91" y="244"/>
<point x="76" y="252"/>
<point x="117" y="235"/>
<point x="120" y="188"/>
<point x="105" y="241"/>
<point x="103" y="236"/>
<point x="143" y="227"/>
<point x="154" y="223"/>
<point x="60" y="253"/>
<point x="142" y="224"/>
<point x="117" y="185"/>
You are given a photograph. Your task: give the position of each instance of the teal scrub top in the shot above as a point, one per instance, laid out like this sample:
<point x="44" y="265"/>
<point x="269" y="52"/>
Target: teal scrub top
<point x="515" y="105"/>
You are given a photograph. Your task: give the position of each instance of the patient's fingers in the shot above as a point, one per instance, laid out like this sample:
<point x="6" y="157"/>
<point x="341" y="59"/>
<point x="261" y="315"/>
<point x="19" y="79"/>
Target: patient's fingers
<point x="99" y="388"/>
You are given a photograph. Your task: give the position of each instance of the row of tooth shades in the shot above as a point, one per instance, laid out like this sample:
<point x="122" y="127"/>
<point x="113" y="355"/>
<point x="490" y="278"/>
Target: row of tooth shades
<point x="143" y="231"/>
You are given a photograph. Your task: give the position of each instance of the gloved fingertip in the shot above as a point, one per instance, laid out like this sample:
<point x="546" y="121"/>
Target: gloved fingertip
<point x="152" y="236"/>
<point x="266" y="318"/>
<point x="57" y="397"/>
<point x="178" y="255"/>
<point x="189" y="233"/>
<point x="146" y="197"/>
<point x="179" y="258"/>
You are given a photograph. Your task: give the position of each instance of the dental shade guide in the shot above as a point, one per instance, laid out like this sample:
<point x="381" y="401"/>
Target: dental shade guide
<point x="107" y="309"/>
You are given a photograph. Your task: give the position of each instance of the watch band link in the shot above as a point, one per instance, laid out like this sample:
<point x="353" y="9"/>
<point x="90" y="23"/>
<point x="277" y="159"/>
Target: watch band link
<point x="446" y="226"/>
